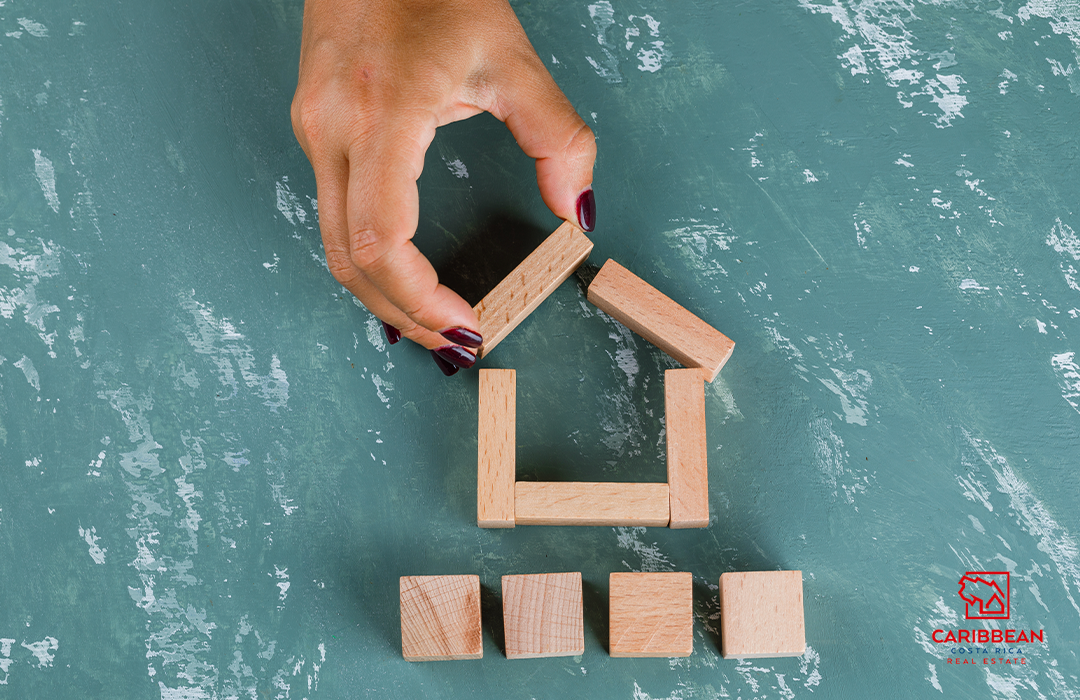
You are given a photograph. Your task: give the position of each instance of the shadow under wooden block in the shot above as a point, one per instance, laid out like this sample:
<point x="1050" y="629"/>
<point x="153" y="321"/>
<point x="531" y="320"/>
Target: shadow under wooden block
<point x="591" y="503"/>
<point x="496" y="448"/>
<point x="513" y="299"/>
<point x="440" y="618"/>
<point x="651" y="614"/>
<point x="687" y="450"/>
<point x="761" y="614"/>
<point x="542" y="615"/>
<point x="655" y="317"/>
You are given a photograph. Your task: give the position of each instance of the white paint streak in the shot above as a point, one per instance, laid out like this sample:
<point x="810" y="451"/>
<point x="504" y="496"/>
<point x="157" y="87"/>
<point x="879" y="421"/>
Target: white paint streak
<point x="41" y="650"/>
<point x="882" y="42"/>
<point x="970" y="284"/>
<point x="651" y="558"/>
<point x="1053" y="539"/>
<point x="1064" y="16"/>
<point x="46" y="177"/>
<point x="5" y="658"/>
<point x="933" y="678"/>
<point x="374" y="332"/>
<point x="288" y="203"/>
<point x="97" y="552"/>
<point x="1063" y="240"/>
<point x="28" y="370"/>
<point x="33" y="28"/>
<point x="220" y="339"/>
<point x="851" y="390"/>
<point x="1069" y="371"/>
<point x="457" y="168"/>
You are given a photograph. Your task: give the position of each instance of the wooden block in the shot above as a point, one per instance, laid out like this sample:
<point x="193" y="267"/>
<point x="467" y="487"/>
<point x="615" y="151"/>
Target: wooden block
<point x="530" y="283"/>
<point x="496" y="448"/>
<point x="643" y="309"/>
<point x="687" y="459"/>
<point x="585" y="503"/>
<point x="542" y="615"/>
<point x="440" y="618"/>
<point x="761" y="614"/>
<point x="651" y="614"/>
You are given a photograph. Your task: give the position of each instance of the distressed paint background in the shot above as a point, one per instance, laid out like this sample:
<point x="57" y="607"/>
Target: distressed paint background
<point x="213" y="469"/>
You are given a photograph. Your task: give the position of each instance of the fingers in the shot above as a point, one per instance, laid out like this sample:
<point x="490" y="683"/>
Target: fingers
<point x="332" y="179"/>
<point x="382" y="211"/>
<point x="548" y="129"/>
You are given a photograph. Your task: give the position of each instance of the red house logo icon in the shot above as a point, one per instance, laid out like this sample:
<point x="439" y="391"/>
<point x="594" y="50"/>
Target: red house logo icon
<point x="986" y="594"/>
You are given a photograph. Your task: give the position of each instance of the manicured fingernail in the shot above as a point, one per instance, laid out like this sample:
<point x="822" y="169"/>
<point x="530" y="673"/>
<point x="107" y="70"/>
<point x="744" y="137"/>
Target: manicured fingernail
<point x="586" y="210"/>
<point x="456" y="355"/>
<point x="463" y="336"/>
<point x="447" y="368"/>
<point x="392" y="334"/>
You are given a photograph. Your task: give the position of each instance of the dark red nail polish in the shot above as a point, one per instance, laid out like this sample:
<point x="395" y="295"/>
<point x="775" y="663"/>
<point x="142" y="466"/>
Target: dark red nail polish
<point x="392" y="334"/>
<point x="447" y="368"/>
<point x="463" y="336"/>
<point x="586" y="210"/>
<point x="456" y="355"/>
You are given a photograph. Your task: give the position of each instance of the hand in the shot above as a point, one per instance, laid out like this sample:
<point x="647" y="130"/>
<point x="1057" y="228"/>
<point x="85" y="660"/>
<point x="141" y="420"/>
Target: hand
<point x="376" y="79"/>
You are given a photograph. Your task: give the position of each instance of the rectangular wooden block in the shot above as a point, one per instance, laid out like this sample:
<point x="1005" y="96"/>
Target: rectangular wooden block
<point x="761" y="614"/>
<point x="687" y="458"/>
<point x="587" y="503"/>
<point x="651" y="614"/>
<point x="496" y="446"/>
<point x="440" y="618"/>
<point x="530" y="283"/>
<point x="543" y="616"/>
<point x="643" y="309"/>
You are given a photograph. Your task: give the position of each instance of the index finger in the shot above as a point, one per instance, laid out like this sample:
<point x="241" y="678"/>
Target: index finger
<point x="383" y="211"/>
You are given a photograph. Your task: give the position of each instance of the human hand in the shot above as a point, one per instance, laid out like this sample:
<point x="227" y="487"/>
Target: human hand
<point x="376" y="79"/>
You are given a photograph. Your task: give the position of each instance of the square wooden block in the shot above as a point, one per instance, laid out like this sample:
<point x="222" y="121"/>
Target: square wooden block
<point x="542" y="615"/>
<point x="761" y="614"/>
<point x="440" y="618"/>
<point x="651" y="614"/>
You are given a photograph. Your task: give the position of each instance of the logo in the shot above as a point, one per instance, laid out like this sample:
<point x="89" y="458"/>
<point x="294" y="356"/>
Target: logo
<point x="986" y="594"/>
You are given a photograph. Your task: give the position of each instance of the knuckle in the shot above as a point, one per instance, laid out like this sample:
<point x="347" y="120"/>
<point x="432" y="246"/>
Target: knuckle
<point x="309" y="114"/>
<point x="370" y="250"/>
<point x="341" y="267"/>
<point x="582" y="144"/>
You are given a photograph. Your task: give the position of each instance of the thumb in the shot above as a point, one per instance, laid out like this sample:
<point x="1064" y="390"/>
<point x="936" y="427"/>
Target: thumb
<point x="547" y="128"/>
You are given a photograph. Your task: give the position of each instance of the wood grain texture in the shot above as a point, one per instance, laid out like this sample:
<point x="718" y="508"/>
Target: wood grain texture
<point x="643" y="309"/>
<point x="530" y="283"/>
<point x="761" y="614"/>
<point x="587" y="503"/>
<point x="651" y="614"/>
<point x="687" y="450"/>
<point x="542" y="615"/>
<point x="496" y="448"/>
<point x="440" y="618"/>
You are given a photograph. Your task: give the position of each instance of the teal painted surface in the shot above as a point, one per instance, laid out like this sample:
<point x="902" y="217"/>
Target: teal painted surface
<point x="213" y="469"/>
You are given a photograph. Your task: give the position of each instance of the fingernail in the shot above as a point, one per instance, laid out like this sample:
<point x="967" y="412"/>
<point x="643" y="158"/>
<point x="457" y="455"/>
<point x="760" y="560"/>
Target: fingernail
<point x="447" y="368"/>
<point x="392" y="334"/>
<point x="463" y="336"/>
<point x="586" y="210"/>
<point x="456" y="355"/>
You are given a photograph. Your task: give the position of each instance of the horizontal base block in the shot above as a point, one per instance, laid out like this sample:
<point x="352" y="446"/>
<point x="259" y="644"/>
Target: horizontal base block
<point x="589" y="503"/>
